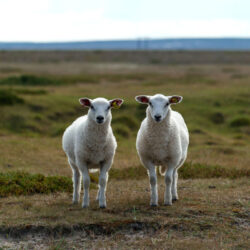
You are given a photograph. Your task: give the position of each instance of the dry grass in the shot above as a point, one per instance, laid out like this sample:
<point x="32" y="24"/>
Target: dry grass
<point x="211" y="214"/>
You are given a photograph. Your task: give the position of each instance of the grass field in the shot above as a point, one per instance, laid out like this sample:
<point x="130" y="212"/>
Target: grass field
<point x="39" y="94"/>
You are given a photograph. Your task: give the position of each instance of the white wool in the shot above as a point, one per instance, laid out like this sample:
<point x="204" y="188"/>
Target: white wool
<point x="164" y="144"/>
<point x="89" y="145"/>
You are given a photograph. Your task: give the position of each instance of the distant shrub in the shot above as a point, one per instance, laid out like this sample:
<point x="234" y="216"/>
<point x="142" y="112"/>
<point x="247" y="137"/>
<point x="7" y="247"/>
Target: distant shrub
<point x="217" y="118"/>
<point x="28" y="80"/>
<point x="21" y="183"/>
<point x="238" y="76"/>
<point x="36" y="108"/>
<point x="9" y="70"/>
<point x="8" y="98"/>
<point x="31" y="91"/>
<point x="198" y="131"/>
<point x="217" y="104"/>
<point x="155" y="61"/>
<point x="240" y="122"/>
<point x="18" y="124"/>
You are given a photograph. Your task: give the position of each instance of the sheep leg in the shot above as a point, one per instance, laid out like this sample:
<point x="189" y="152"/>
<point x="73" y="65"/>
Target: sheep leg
<point x="98" y="194"/>
<point x="154" y="189"/>
<point x="153" y="182"/>
<point x="174" y="186"/>
<point x="76" y="178"/>
<point x="175" y="180"/>
<point x="86" y="183"/>
<point x="103" y="178"/>
<point x="168" y="182"/>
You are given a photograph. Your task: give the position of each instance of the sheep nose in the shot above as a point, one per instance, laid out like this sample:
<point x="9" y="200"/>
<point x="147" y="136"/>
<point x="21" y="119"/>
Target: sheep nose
<point x="157" y="118"/>
<point x="100" y="119"/>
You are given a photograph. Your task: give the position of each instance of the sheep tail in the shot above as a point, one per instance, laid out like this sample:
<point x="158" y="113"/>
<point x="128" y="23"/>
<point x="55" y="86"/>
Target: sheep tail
<point x="94" y="170"/>
<point x="162" y="170"/>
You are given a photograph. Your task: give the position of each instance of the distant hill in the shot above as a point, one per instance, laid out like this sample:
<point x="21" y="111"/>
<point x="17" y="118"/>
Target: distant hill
<point x="139" y="44"/>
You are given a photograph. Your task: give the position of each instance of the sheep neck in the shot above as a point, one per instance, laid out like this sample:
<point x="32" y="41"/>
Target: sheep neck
<point x="98" y="132"/>
<point x="158" y="127"/>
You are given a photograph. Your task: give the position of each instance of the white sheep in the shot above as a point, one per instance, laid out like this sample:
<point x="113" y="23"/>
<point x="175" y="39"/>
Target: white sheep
<point x="162" y="140"/>
<point x="89" y="143"/>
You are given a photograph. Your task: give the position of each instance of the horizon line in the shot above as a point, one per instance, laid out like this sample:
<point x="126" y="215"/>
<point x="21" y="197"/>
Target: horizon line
<point x="126" y="39"/>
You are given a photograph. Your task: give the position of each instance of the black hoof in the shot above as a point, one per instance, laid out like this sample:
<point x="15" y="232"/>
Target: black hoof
<point x="153" y="205"/>
<point x="167" y="205"/>
<point x="174" y="200"/>
<point x="102" y="207"/>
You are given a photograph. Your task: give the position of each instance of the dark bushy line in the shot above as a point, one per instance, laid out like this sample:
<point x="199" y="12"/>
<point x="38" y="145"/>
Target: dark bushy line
<point x="197" y="170"/>
<point x="188" y="171"/>
<point x="217" y="118"/>
<point x="29" y="80"/>
<point x="31" y="91"/>
<point x="240" y="122"/>
<point x="8" y="98"/>
<point x="21" y="183"/>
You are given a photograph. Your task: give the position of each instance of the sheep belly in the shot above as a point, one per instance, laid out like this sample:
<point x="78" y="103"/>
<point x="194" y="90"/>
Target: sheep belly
<point x="158" y="155"/>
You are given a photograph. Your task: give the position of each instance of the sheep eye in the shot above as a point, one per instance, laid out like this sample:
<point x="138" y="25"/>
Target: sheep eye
<point x="166" y="104"/>
<point x="150" y="103"/>
<point x="92" y="107"/>
<point x="108" y="108"/>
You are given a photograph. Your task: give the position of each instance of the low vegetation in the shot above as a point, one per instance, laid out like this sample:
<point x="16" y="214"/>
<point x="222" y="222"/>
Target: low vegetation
<point x="9" y="98"/>
<point x="21" y="183"/>
<point x="28" y="80"/>
<point x="39" y="94"/>
<point x="240" y="122"/>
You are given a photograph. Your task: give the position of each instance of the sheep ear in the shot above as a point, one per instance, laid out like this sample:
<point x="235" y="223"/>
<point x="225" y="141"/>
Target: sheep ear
<point x="85" y="102"/>
<point x="175" y="99"/>
<point x="142" y="99"/>
<point x="116" y="103"/>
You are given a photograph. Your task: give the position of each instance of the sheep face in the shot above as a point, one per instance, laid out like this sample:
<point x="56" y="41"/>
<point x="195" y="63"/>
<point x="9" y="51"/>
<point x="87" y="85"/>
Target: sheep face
<point x="100" y="108"/>
<point x="158" y="105"/>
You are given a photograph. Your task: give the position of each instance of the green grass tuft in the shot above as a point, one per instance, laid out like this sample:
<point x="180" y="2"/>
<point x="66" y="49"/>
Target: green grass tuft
<point x="22" y="183"/>
<point x="197" y="170"/>
<point x="8" y="98"/>
<point x="240" y="122"/>
<point x="217" y="118"/>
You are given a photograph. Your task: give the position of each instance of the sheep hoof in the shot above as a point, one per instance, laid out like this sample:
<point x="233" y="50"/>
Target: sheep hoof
<point x="174" y="199"/>
<point x="85" y="206"/>
<point x="102" y="207"/>
<point x="74" y="202"/>
<point x="168" y="204"/>
<point x="153" y="205"/>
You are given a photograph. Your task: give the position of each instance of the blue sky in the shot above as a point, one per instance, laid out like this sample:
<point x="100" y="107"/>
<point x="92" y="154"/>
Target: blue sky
<point x="80" y="20"/>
